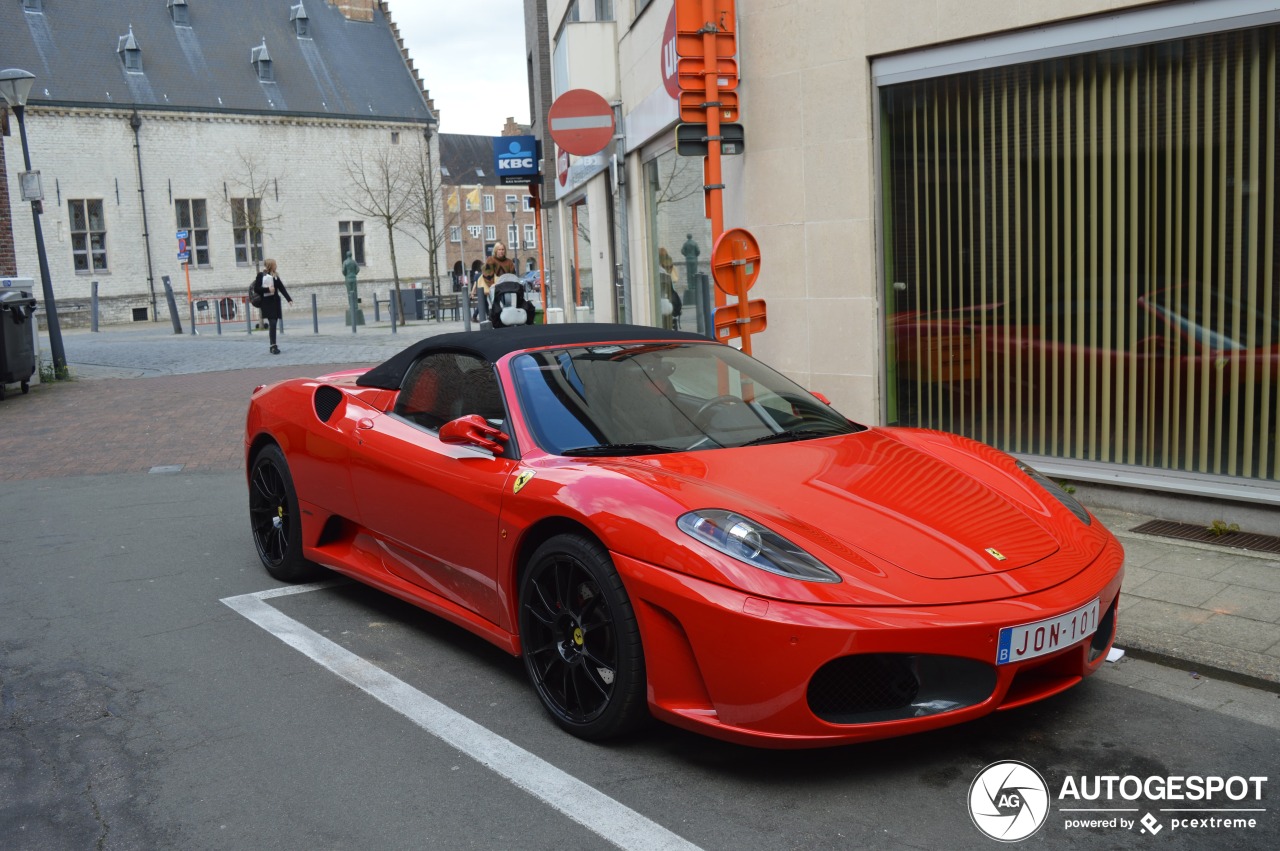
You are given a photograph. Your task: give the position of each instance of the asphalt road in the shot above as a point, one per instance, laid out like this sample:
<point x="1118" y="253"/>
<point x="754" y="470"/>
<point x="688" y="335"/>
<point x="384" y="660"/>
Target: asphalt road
<point x="139" y="710"/>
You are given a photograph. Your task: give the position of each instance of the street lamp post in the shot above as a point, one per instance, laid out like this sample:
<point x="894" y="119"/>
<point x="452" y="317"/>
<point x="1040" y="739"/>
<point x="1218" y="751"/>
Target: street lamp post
<point x="515" y="249"/>
<point x="15" y="85"/>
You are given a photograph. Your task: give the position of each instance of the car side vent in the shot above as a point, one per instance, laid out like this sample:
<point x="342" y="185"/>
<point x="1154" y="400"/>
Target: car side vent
<point x="326" y="401"/>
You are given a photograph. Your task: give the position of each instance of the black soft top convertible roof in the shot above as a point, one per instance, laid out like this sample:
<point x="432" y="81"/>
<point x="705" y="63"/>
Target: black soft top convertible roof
<point x="492" y="345"/>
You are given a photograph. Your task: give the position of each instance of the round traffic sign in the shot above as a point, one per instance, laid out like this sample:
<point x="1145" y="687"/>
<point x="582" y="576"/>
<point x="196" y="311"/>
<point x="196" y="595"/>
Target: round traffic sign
<point x="581" y="122"/>
<point x="670" y="61"/>
<point x="734" y="257"/>
<point x="562" y="167"/>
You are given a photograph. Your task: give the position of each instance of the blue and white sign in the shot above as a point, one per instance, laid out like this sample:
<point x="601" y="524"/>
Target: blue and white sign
<point x="515" y="159"/>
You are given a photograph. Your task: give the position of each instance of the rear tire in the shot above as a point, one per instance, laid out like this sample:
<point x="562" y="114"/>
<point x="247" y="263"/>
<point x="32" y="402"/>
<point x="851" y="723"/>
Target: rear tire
<point x="274" y="518"/>
<point x="581" y="641"/>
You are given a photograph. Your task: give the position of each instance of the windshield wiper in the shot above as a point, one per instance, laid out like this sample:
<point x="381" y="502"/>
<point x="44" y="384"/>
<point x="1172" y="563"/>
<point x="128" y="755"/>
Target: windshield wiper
<point x="790" y="434"/>
<point x="607" y="449"/>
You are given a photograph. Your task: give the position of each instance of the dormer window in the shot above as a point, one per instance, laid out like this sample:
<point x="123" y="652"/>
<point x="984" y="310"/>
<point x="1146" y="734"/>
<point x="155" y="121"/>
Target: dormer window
<point x="130" y="52"/>
<point x="179" y="12"/>
<point x="301" y="23"/>
<point x="262" y="62"/>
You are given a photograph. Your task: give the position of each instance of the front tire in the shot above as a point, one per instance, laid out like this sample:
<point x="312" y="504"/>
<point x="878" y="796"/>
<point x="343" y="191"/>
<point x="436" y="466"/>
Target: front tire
<point x="581" y="641"/>
<point x="274" y="518"/>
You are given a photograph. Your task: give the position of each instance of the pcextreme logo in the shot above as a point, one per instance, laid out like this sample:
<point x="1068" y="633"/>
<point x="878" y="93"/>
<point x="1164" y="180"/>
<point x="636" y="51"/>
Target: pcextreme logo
<point x="1009" y="801"/>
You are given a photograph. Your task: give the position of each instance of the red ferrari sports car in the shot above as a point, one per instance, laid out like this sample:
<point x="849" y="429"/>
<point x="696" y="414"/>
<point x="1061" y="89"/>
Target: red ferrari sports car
<point x="660" y="525"/>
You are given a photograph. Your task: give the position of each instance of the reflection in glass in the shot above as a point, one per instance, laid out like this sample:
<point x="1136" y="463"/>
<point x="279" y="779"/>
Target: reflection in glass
<point x="1081" y="255"/>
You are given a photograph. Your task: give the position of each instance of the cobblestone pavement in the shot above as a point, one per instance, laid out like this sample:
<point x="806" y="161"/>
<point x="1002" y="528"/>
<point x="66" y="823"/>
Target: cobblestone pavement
<point x="1208" y="610"/>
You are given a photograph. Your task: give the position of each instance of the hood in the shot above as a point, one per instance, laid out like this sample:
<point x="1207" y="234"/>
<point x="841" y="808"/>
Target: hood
<point x="932" y="505"/>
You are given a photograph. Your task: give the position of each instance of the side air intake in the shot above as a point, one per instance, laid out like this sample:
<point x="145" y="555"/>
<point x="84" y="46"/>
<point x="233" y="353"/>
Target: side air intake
<point x="326" y="401"/>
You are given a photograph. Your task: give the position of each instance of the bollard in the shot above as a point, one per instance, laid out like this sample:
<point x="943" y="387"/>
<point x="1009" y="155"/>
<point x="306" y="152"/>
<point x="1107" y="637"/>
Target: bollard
<point x="172" y="303"/>
<point x="248" y="317"/>
<point x="93" y="316"/>
<point x="315" y="315"/>
<point x="191" y="306"/>
<point x="391" y="311"/>
<point x="217" y="314"/>
<point x="377" y="314"/>
<point x="466" y="309"/>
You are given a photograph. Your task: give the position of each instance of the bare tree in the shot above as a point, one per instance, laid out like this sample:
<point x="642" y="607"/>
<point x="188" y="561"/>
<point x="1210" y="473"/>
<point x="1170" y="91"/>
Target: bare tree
<point x="249" y="192"/>
<point x="382" y="187"/>
<point x="428" y="207"/>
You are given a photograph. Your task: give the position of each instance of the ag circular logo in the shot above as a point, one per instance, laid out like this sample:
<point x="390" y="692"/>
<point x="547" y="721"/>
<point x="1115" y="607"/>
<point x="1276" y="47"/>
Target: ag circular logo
<point x="1008" y="801"/>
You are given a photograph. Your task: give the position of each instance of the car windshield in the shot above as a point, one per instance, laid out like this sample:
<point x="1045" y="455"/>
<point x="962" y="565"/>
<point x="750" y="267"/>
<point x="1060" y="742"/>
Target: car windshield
<point x="663" y="397"/>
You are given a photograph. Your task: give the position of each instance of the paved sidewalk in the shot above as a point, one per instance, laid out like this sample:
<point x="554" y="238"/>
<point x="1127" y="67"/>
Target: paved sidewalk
<point x="1207" y="610"/>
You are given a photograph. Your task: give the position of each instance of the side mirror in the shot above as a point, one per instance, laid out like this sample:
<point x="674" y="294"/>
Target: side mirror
<point x="473" y="430"/>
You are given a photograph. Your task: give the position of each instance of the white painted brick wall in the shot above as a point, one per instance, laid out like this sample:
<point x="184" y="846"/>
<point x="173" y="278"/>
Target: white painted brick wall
<point x="89" y="154"/>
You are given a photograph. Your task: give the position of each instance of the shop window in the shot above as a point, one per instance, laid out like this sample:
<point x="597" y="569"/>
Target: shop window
<point x="1080" y="255"/>
<point x="680" y="243"/>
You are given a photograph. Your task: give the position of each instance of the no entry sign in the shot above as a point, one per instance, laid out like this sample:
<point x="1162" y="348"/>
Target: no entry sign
<point x="581" y="122"/>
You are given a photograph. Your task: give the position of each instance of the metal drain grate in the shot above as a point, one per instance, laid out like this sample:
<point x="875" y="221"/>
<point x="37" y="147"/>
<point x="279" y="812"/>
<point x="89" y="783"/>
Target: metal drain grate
<point x="1192" y="532"/>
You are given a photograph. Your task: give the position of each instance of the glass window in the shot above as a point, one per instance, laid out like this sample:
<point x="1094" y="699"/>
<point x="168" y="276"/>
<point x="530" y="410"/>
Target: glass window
<point x="648" y="399"/>
<point x="513" y="236"/>
<point x="455" y="233"/>
<point x="582" y="297"/>
<point x="246" y="230"/>
<point x="488" y="203"/>
<point x="528" y="203"/>
<point x="530" y="237"/>
<point x="88" y="236"/>
<point x="351" y="239"/>
<point x="491" y="232"/>
<point x="511" y="202"/>
<point x="474" y="230"/>
<point x="1080" y="255"/>
<point x="192" y="215"/>
<point x="680" y="263"/>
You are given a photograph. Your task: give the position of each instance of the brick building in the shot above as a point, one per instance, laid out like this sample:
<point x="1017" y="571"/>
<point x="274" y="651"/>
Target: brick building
<point x="478" y="211"/>
<point x="245" y="124"/>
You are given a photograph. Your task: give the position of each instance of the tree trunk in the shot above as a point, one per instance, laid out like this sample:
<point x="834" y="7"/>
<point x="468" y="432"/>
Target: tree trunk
<point x="395" y="271"/>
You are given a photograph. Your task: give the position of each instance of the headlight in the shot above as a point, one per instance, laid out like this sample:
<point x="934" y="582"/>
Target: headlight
<point x="748" y="541"/>
<point x="1072" y="504"/>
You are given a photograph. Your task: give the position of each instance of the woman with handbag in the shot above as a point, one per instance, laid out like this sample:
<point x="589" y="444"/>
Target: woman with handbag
<point x="270" y="288"/>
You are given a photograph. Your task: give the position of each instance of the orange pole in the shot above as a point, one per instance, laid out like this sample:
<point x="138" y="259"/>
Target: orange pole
<point x="186" y="269"/>
<point x="577" y="269"/>
<point x="714" y="180"/>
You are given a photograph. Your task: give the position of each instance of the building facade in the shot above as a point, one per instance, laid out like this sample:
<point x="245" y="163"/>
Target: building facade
<point x="1049" y="226"/>
<point x="258" y="131"/>
<point x="479" y="211"/>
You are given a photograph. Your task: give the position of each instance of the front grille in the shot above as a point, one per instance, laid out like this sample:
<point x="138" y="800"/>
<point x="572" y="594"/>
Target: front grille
<point x="326" y="401"/>
<point x="890" y="686"/>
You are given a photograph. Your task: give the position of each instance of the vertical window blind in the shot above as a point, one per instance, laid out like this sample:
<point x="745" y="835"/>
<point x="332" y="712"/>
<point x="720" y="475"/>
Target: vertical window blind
<point x="1081" y="255"/>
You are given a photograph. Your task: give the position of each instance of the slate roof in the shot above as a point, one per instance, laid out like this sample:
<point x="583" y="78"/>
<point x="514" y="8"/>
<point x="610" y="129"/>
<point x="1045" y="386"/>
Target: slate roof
<point x="462" y="156"/>
<point x="346" y="68"/>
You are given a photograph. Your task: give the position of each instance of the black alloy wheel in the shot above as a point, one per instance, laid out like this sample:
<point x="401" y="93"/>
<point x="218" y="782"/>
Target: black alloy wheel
<point x="581" y="641"/>
<point x="273" y="516"/>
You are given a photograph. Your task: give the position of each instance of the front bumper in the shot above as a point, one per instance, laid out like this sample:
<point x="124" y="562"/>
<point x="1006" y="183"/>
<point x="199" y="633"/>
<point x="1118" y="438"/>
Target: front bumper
<point x="741" y="668"/>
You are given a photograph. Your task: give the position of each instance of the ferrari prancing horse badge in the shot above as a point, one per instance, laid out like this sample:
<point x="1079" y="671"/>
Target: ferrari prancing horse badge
<point x="522" y="480"/>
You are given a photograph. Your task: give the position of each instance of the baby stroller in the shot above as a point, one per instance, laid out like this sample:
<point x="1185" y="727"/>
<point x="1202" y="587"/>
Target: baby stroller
<point x="509" y="306"/>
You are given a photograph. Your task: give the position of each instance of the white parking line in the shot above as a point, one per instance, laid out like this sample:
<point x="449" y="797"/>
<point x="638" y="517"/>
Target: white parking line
<point x="599" y="813"/>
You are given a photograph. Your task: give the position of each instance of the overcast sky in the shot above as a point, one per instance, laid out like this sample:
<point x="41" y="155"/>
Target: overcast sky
<point x="470" y="55"/>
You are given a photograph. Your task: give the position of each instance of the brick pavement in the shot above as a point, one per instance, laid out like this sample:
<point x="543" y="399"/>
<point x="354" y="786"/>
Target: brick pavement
<point x="121" y="425"/>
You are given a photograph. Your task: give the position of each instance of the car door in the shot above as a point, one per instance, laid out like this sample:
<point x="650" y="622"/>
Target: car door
<point x="433" y="506"/>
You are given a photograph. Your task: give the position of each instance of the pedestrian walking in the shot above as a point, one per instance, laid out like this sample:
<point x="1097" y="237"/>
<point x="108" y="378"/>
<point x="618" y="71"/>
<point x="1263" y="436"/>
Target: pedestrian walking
<point x="269" y="286"/>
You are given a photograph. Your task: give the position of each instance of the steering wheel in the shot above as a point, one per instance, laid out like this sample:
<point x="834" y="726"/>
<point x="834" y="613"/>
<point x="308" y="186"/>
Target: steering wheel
<point x="713" y="404"/>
